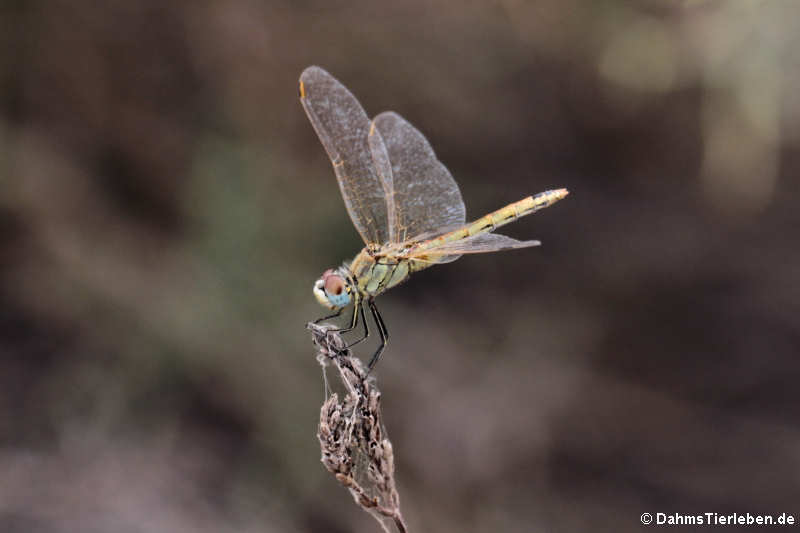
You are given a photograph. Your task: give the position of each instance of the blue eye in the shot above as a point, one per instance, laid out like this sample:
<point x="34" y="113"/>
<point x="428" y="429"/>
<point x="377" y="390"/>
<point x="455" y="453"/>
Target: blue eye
<point x="339" y="300"/>
<point x="336" y="290"/>
<point x="332" y="290"/>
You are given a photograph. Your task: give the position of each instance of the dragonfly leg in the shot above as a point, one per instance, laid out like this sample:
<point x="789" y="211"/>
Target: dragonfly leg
<point x="334" y="315"/>
<point x="353" y="320"/>
<point x="382" y="331"/>
<point x="366" y="327"/>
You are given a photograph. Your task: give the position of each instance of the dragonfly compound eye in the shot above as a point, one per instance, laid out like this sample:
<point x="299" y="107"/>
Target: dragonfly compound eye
<point x="336" y="289"/>
<point x="331" y="290"/>
<point x="334" y="285"/>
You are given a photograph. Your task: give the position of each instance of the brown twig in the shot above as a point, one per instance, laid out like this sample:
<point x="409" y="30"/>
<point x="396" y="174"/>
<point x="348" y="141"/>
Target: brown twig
<point x="353" y="429"/>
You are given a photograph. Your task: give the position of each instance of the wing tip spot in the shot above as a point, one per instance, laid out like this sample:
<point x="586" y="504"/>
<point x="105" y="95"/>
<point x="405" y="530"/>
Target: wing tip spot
<point x="301" y="89"/>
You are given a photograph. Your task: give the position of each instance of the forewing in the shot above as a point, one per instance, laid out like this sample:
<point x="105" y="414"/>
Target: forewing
<point x="343" y="128"/>
<point x="383" y="167"/>
<point x="477" y="244"/>
<point x="425" y="196"/>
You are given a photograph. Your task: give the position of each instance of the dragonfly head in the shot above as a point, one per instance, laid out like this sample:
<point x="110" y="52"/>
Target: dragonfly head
<point x="332" y="290"/>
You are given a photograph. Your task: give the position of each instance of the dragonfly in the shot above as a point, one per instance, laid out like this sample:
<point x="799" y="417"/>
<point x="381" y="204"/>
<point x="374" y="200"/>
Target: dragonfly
<point x="401" y="199"/>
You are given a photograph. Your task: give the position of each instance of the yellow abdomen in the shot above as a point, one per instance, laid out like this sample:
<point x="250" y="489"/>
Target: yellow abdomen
<point x="498" y="218"/>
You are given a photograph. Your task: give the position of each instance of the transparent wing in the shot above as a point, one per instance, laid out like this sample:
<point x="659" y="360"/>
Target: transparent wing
<point x="432" y="234"/>
<point x="477" y="244"/>
<point x="383" y="167"/>
<point x="343" y="128"/>
<point x="422" y="194"/>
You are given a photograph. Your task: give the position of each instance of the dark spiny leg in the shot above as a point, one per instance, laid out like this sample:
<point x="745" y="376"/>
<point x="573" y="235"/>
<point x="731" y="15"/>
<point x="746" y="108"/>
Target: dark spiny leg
<point x="353" y="321"/>
<point x="384" y="333"/>
<point x="364" y="321"/>
<point x="334" y="315"/>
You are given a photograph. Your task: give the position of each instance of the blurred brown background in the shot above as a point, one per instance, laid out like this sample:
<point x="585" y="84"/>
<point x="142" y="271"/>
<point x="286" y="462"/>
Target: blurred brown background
<point x="165" y="207"/>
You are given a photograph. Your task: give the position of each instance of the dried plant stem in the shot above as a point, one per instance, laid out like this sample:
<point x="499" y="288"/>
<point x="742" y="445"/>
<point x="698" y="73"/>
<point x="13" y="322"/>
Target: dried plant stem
<point x="353" y="429"/>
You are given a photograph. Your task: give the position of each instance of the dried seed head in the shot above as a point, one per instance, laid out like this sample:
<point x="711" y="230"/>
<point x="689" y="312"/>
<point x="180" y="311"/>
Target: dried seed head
<point x="353" y="428"/>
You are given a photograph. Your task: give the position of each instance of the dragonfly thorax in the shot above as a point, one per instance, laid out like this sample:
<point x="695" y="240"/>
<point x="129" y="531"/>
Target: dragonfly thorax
<point x="333" y="289"/>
